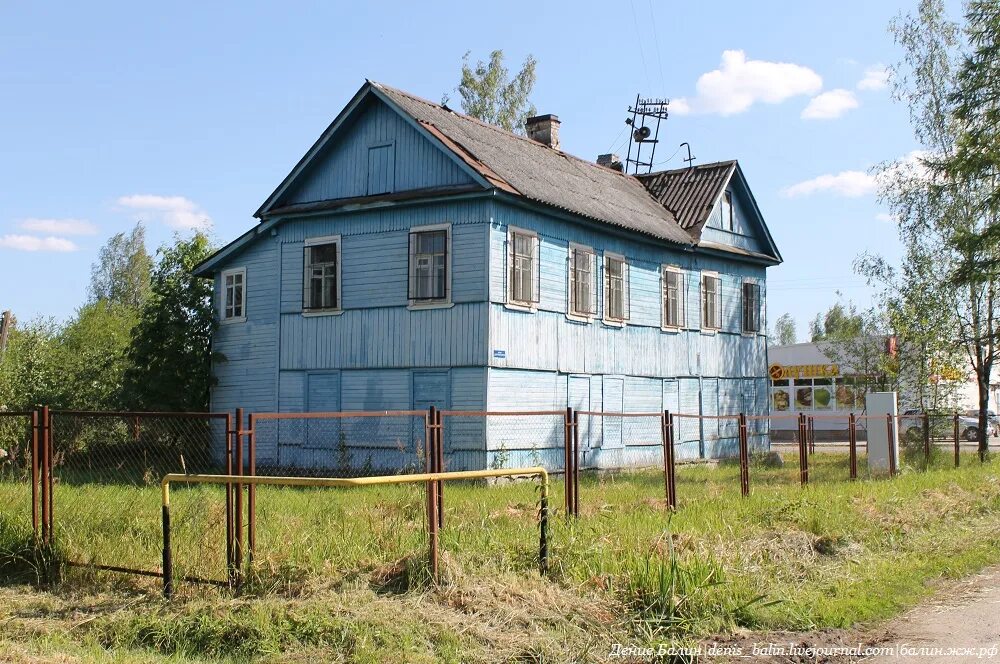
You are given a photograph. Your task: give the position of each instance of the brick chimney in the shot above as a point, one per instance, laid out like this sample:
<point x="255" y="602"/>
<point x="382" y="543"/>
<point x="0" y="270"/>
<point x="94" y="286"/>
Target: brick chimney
<point x="612" y="161"/>
<point x="543" y="129"/>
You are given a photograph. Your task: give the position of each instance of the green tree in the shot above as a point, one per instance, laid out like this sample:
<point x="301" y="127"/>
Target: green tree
<point x="784" y="330"/>
<point x="491" y="95"/>
<point x="936" y="211"/>
<point x="93" y="355"/>
<point x="30" y="374"/>
<point x="170" y="356"/>
<point x="121" y="273"/>
<point x="838" y="323"/>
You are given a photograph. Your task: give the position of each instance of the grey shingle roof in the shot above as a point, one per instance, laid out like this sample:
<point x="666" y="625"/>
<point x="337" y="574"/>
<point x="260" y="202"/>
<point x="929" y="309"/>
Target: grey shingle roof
<point x="690" y="193"/>
<point x="537" y="172"/>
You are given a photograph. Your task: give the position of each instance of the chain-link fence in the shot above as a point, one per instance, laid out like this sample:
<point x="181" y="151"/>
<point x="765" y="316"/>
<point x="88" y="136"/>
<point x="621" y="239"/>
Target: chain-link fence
<point x="19" y="494"/>
<point x="105" y="477"/>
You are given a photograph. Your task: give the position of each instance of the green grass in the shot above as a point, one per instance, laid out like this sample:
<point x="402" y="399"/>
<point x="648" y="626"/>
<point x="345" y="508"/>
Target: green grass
<point x="340" y="574"/>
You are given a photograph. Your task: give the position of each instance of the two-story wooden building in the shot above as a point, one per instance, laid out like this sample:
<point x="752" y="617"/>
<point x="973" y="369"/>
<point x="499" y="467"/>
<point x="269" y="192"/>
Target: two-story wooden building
<point x="417" y="257"/>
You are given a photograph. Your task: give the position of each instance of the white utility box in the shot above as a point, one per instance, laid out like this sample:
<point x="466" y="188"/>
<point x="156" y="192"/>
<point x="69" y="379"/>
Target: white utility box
<point x="877" y="406"/>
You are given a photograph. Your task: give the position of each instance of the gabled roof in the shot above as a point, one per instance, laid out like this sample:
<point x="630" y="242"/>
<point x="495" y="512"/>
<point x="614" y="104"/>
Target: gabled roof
<point x="521" y="167"/>
<point x="671" y="205"/>
<point x="690" y="193"/>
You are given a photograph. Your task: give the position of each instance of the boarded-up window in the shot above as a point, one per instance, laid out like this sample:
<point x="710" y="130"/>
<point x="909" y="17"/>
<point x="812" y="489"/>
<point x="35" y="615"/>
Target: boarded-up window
<point x="381" y="169"/>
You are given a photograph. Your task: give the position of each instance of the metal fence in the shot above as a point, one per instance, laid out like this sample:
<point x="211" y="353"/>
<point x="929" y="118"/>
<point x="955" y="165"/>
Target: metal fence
<point x="103" y="478"/>
<point x="20" y="517"/>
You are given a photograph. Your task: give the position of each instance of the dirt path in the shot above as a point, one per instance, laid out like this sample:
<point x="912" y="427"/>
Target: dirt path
<point x="960" y="624"/>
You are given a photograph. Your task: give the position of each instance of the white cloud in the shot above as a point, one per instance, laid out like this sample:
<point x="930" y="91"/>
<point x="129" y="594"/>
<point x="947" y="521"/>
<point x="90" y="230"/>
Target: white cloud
<point x="876" y="77"/>
<point x="34" y="243"/>
<point x="59" y="226"/>
<point x="739" y="83"/>
<point x="829" y="105"/>
<point x="175" y="211"/>
<point x="851" y="184"/>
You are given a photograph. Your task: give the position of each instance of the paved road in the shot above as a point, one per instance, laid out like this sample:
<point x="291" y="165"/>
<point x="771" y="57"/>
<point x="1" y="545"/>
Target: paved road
<point x="961" y="625"/>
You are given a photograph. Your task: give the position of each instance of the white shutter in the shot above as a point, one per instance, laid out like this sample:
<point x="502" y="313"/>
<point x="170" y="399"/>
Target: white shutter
<point x="536" y="270"/>
<point x="571" y="282"/>
<point x="592" y="305"/>
<point x="508" y="274"/>
<point x="625" y="290"/>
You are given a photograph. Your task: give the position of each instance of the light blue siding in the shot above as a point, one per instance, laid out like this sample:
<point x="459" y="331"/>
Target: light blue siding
<point x="342" y="169"/>
<point x="746" y="234"/>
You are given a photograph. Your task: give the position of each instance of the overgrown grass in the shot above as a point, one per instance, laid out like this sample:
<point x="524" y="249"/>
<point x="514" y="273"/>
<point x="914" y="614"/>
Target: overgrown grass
<point x="341" y="575"/>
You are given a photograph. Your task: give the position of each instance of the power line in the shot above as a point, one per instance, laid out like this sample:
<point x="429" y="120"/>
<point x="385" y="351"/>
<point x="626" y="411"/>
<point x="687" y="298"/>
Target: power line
<point x="638" y="40"/>
<point x="656" y="41"/>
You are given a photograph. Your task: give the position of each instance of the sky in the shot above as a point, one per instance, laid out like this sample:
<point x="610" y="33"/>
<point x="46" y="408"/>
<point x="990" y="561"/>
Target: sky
<point x="187" y="115"/>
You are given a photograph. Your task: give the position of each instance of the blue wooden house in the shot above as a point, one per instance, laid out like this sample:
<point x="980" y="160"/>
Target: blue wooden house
<point x="418" y="257"/>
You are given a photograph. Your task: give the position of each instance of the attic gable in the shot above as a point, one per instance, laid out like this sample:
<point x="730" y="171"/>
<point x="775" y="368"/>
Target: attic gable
<point x="373" y="152"/>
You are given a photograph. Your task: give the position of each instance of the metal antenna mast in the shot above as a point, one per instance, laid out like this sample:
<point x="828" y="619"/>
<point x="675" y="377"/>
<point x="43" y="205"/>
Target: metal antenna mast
<point x="645" y="131"/>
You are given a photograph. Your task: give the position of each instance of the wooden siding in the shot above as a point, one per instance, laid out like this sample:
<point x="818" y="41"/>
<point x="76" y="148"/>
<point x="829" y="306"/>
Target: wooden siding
<point x="342" y="170"/>
<point x="746" y="234"/>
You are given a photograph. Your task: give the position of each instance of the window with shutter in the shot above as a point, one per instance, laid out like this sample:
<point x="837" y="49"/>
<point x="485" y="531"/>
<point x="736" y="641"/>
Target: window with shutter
<point x="582" y="282"/>
<point x="673" y="297"/>
<point x="522" y="268"/>
<point x="711" y="301"/>
<point x="615" y="288"/>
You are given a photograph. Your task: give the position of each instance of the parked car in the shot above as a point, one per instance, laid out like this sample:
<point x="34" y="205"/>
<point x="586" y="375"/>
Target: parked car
<point x="941" y="426"/>
<point x="991" y="417"/>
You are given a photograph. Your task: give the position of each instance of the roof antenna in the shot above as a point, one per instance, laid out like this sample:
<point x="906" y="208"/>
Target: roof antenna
<point x="690" y="159"/>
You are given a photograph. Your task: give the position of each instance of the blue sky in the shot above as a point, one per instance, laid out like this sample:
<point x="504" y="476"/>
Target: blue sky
<point x="194" y="113"/>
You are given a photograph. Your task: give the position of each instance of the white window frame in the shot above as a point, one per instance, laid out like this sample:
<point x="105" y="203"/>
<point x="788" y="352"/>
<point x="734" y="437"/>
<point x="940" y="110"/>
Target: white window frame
<point x="311" y="242"/>
<point x="615" y="322"/>
<point x="571" y="313"/>
<point x="666" y="269"/>
<point x="760" y="318"/>
<point x="430" y="304"/>
<point x="701" y="301"/>
<point x="223" y="318"/>
<point x="531" y="304"/>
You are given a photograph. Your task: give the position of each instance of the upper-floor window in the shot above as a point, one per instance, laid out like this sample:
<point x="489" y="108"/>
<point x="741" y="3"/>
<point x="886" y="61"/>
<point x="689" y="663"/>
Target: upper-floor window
<point x="711" y="301"/>
<point x="234" y="294"/>
<point x="523" y="268"/>
<point x="673" y="297"/>
<point x="321" y="288"/>
<point x="582" y="282"/>
<point x="616" y="294"/>
<point x="751" y="306"/>
<point x="429" y="263"/>
<point x="727" y="211"/>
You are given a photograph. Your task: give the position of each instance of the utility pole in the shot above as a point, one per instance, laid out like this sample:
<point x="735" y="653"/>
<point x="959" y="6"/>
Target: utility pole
<point x="5" y="319"/>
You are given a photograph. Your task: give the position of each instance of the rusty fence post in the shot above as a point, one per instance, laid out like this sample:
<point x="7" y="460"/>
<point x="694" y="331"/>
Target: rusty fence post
<point x="35" y="525"/>
<point x="803" y="451"/>
<point x="890" y="436"/>
<point x="927" y="438"/>
<point x="251" y="490"/>
<point x="957" y="455"/>
<point x="568" y="463"/>
<point x="852" y="443"/>
<point x="812" y="434"/>
<point x="439" y="450"/>
<point x="744" y="456"/>
<point x="670" y="486"/>
<point x="430" y="464"/>
<point x="47" y="483"/>
<point x="238" y="497"/>
<point x="230" y="524"/>
<point x="576" y="463"/>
